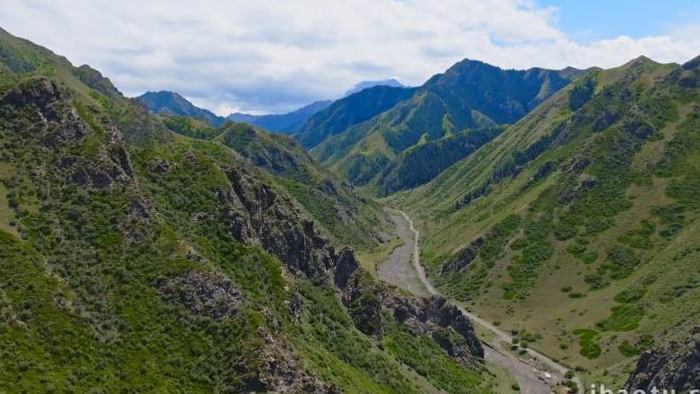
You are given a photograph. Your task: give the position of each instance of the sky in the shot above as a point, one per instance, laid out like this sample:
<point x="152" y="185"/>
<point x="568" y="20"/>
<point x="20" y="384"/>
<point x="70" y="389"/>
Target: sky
<point x="271" y="56"/>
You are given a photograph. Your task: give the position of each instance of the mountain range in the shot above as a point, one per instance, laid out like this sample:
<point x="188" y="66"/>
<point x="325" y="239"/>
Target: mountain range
<point x="147" y="246"/>
<point x="288" y="123"/>
<point x="173" y="104"/>
<point x="470" y="95"/>
<point x="577" y="226"/>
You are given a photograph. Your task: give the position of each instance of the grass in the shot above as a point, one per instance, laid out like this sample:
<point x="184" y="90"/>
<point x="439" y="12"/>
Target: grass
<point x="588" y="343"/>
<point x="431" y="361"/>
<point x="623" y="318"/>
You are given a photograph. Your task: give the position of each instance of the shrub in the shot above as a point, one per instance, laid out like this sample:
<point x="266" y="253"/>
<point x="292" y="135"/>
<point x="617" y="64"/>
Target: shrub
<point x="588" y="341"/>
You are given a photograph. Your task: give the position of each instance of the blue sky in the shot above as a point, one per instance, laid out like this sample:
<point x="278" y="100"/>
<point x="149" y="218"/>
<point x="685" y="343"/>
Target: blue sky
<point x="268" y="56"/>
<point x="592" y="20"/>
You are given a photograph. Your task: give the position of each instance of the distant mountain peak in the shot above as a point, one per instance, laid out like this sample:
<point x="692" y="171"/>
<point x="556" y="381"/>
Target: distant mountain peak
<point x="369" y="84"/>
<point x="640" y="61"/>
<point x="692" y="63"/>
<point x="173" y="103"/>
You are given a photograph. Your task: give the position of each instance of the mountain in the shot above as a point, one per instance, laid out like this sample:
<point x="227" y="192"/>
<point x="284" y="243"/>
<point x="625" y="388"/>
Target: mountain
<point x="370" y="84"/>
<point x="293" y="122"/>
<point x="578" y="226"/>
<point x="288" y="123"/>
<point x="349" y="111"/>
<point x="135" y="258"/>
<point x="469" y="95"/>
<point x="172" y="103"/>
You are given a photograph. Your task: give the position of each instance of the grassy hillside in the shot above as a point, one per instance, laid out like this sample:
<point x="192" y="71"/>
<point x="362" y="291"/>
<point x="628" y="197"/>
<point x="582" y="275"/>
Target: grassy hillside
<point x="136" y="259"/>
<point x="352" y="219"/>
<point x="577" y="227"/>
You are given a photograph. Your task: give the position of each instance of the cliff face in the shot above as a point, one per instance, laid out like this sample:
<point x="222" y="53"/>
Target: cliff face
<point x="374" y="306"/>
<point x="256" y="214"/>
<point x="675" y="366"/>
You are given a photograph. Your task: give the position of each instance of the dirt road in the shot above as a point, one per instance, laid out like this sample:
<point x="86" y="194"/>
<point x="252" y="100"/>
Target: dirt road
<point x="536" y="374"/>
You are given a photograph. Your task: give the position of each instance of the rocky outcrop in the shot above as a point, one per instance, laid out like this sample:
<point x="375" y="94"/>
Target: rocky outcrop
<point x="204" y="294"/>
<point x="257" y="215"/>
<point x="346" y="265"/>
<point x="58" y="124"/>
<point x="280" y="371"/>
<point x="444" y="322"/>
<point x="465" y="257"/>
<point x="370" y="303"/>
<point x="41" y="93"/>
<point x="673" y="367"/>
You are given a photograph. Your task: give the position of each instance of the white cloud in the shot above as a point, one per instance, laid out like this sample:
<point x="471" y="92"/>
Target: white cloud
<point x="271" y="55"/>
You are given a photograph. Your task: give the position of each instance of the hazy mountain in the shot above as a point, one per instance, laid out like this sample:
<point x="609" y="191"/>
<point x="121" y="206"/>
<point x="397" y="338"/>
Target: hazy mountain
<point x="293" y="122"/>
<point x="172" y="103"/>
<point x="369" y="84"/>
<point x="288" y="123"/>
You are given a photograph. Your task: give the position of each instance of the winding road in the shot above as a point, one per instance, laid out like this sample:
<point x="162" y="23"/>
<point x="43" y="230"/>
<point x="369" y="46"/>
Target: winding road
<point x="537" y="374"/>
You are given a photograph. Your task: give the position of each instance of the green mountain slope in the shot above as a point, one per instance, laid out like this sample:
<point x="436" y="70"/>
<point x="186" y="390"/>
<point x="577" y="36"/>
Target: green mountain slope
<point x="349" y="111"/>
<point x="469" y="95"/>
<point x="136" y="259"/>
<point x="577" y="227"/>
<point x="349" y="217"/>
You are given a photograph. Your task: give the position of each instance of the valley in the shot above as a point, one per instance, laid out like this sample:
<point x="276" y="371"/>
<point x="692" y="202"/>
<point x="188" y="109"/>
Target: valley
<point x="534" y="372"/>
<point x="491" y="230"/>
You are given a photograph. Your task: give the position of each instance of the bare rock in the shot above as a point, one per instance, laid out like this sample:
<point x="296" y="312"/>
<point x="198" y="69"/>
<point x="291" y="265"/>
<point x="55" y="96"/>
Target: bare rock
<point x="257" y="215"/>
<point x="41" y="93"/>
<point x="675" y="366"/>
<point x="281" y="371"/>
<point x="204" y="294"/>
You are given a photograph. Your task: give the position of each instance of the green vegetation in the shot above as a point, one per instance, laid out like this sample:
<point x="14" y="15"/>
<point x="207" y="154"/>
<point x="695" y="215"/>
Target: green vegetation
<point x="466" y="272"/>
<point x="470" y="95"/>
<point x="431" y="361"/>
<point x="141" y="253"/>
<point x="628" y="349"/>
<point x="623" y="318"/>
<point x="601" y="175"/>
<point x="421" y="163"/>
<point x="191" y="127"/>
<point x="588" y="342"/>
<point x="523" y="270"/>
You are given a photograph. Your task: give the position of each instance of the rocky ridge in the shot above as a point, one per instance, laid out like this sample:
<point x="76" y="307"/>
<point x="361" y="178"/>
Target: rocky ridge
<point x="675" y="366"/>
